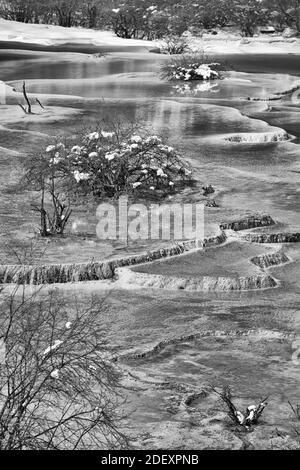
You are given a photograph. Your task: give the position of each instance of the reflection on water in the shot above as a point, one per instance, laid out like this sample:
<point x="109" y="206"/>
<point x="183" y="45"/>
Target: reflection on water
<point x="195" y="89"/>
<point x="195" y="117"/>
<point x="69" y="69"/>
<point x="263" y="63"/>
<point x="128" y="76"/>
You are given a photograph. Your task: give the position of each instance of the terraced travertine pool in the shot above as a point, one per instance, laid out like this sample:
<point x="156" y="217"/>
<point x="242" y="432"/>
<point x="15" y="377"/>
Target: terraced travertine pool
<point x="244" y="338"/>
<point x="233" y="259"/>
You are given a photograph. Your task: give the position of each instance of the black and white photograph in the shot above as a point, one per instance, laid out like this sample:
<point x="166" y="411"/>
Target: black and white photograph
<point x="149" y="228"/>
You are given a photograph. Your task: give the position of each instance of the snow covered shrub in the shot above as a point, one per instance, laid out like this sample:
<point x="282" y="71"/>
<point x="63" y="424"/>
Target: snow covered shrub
<point x="108" y="163"/>
<point x="101" y="164"/>
<point x="195" y="71"/>
<point x="192" y="67"/>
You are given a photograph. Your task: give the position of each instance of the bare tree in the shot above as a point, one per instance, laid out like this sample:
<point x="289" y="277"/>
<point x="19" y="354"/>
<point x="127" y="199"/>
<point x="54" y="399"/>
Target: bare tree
<point x="290" y="11"/>
<point x="46" y="178"/>
<point x="58" y="388"/>
<point x="28" y="109"/>
<point x="65" y="11"/>
<point x="91" y="12"/>
<point x="17" y="10"/>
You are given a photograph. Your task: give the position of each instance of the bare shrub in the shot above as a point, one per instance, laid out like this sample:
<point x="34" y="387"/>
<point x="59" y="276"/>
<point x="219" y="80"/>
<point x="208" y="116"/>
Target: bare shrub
<point x="58" y="387"/>
<point x="129" y="22"/>
<point x="17" y="10"/>
<point x="174" y="45"/>
<point x="24" y="252"/>
<point x="53" y="206"/>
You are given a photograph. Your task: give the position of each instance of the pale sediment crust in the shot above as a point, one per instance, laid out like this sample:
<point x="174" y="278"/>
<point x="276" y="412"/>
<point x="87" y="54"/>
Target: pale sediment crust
<point x="288" y="237"/>
<point x="258" y="334"/>
<point x="271" y="259"/>
<point x="259" y="137"/>
<point x="279" y="95"/>
<point x="248" y="223"/>
<point x="128" y="277"/>
<point x="106" y="270"/>
<point x="63" y="273"/>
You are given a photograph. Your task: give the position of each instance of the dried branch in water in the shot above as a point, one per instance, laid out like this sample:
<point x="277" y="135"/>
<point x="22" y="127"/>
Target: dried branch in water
<point x="38" y="101"/>
<point x="22" y="107"/>
<point x="246" y="419"/>
<point x="26" y="98"/>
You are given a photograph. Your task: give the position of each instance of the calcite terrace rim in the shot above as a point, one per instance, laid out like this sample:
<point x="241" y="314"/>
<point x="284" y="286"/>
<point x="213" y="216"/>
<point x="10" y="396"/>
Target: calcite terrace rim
<point x="111" y="269"/>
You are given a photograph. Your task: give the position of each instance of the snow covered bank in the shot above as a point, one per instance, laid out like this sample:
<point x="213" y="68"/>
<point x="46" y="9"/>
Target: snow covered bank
<point x="229" y="43"/>
<point x="44" y="37"/>
<point x="50" y="35"/>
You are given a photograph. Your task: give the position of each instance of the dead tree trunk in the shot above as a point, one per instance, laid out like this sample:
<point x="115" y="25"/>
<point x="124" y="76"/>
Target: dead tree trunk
<point x="26" y="99"/>
<point x="28" y="109"/>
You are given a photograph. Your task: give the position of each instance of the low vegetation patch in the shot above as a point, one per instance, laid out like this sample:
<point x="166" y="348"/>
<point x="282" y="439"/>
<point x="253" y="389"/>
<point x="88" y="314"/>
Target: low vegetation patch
<point x="191" y="67"/>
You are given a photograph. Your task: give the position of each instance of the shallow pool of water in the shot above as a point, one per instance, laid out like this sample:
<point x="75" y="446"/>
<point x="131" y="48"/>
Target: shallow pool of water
<point x="256" y="176"/>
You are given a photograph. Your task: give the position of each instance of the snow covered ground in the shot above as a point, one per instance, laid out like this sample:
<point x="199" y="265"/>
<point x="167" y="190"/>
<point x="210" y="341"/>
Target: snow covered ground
<point x="224" y="42"/>
<point x="49" y="35"/>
